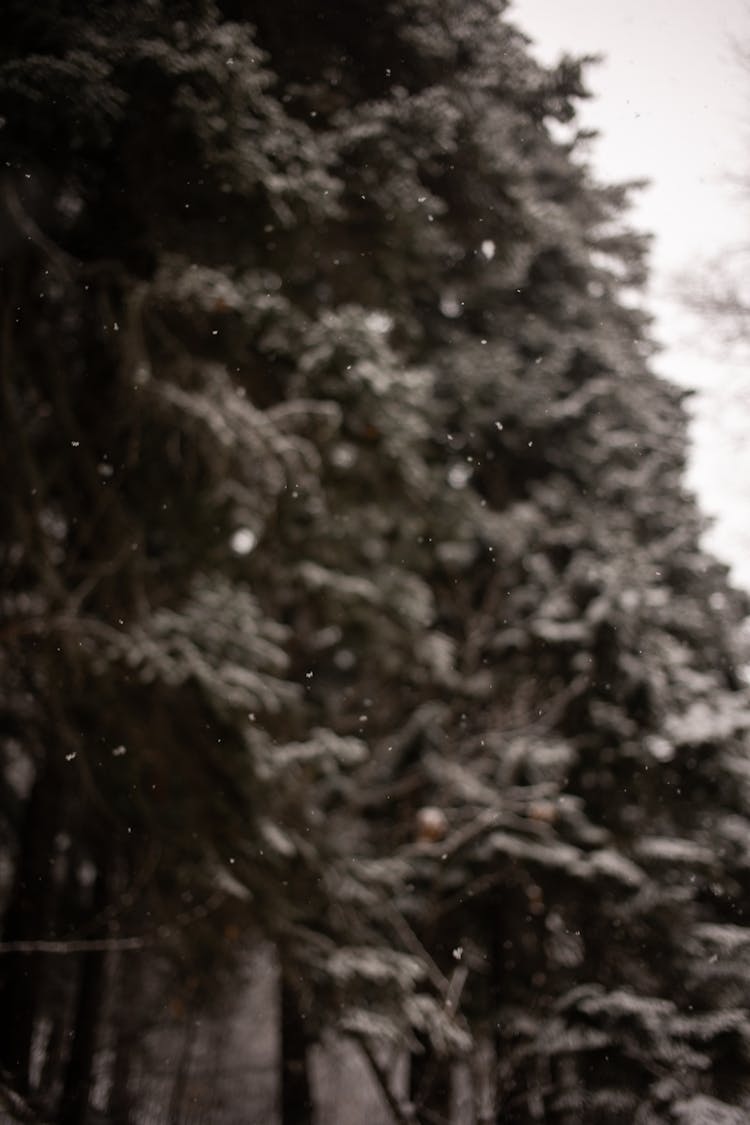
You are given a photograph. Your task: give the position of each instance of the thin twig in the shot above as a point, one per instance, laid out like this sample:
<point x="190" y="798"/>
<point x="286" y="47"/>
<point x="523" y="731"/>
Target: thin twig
<point x="94" y="945"/>
<point x="115" y="945"/>
<point x="67" y="264"/>
<point x="412" y="942"/>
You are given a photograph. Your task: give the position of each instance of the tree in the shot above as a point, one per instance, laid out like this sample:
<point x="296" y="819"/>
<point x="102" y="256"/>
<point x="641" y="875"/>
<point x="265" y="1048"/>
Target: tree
<point x="179" y="776"/>
<point x="562" y="440"/>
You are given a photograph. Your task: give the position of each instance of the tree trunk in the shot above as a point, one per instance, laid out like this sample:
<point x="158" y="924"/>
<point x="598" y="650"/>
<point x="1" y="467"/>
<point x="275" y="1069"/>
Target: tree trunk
<point x="53" y="1054"/>
<point x="430" y="1083"/>
<point x="119" y="1106"/>
<point x="126" y="981"/>
<point x="79" y="1070"/>
<point x="28" y="918"/>
<point x="182" y="1076"/>
<point x="296" y="1096"/>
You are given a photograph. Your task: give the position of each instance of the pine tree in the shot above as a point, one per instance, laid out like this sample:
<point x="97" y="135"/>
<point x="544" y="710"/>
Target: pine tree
<point x="577" y="628"/>
<point x="176" y="406"/>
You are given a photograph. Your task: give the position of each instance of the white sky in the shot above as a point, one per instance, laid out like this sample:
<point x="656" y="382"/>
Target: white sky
<point x="671" y="101"/>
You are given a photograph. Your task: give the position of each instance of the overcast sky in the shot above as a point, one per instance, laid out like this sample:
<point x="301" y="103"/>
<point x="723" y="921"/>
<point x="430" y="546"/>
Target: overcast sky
<point x="671" y="102"/>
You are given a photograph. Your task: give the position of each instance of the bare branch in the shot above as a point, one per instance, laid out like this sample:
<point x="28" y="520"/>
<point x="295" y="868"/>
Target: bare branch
<point x="94" y="945"/>
<point x="66" y="264"/>
<point x="403" y="1112"/>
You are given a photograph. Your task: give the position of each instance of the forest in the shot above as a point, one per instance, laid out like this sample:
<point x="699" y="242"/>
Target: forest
<point x="373" y="724"/>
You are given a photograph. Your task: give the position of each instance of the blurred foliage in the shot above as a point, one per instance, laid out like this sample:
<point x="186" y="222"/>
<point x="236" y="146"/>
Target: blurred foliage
<point x="352" y="598"/>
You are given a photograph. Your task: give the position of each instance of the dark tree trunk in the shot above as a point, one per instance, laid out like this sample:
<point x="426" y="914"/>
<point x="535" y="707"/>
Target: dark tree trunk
<point x="28" y="917"/>
<point x="296" y="1095"/>
<point x="53" y="1054"/>
<point x="431" y="1083"/>
<point x="182" y="1076"/>
<point x="126" y="980"/>
<point x="79" y="1070"/>
<point x="120" y="1108"/>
